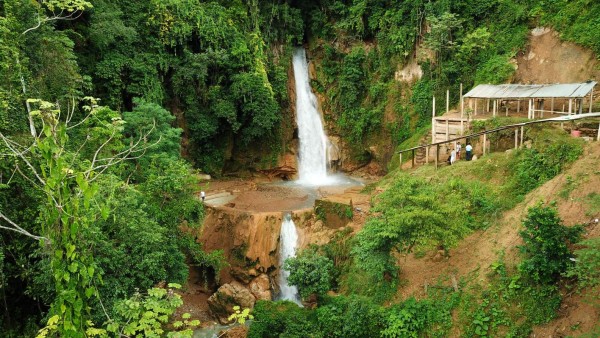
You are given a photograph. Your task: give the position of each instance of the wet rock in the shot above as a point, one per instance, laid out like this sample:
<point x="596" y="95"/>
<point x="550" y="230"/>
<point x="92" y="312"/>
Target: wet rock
<point x="221" y="303"/>
<point x="260" y="287"/>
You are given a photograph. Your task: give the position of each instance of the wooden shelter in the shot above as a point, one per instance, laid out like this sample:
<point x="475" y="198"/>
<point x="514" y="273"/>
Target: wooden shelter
<point x="509" y="97"/>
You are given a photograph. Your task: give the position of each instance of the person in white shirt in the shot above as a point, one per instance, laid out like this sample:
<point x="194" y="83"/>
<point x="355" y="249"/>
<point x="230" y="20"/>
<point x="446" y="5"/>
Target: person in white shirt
<point x="469" y="151"/>
<point x="202" y="195"/>
<point x="458" y="148"/>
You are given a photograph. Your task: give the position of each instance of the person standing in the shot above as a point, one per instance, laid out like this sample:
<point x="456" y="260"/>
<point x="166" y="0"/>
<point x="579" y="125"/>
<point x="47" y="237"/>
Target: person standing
<point x="202" y="195"/>
<point x="458" y="148"/>
<point x="452" y="157"/>
<point x="469" y="151"/>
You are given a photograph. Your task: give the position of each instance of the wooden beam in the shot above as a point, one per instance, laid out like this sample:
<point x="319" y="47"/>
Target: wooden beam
<point x="580" y="105"/>
<point x="433" y="131"/>
<point x="591" y="99"/>
<point x="570" y="106"/>
<point x="484" y="143"/>
<point x="447" y="100"/>
<point x="522" y="132"/>
<point x="447" y="129"/>
<point x="552" y="105"/>
<point x="437" y="155"/>
<point x="495" y="108"/>
<point x="427" y="155"/>
<point x="400" y="161"/>
<point x="475" y="110"/>
<point x="516" y="138"/>
<point x="518" y="106"/>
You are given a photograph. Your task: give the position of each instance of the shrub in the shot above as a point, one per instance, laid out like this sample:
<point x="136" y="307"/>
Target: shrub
<point x="281" y="319"/>
<point x="546" y="244"/>
<point x="587" y="266"/>
<point x="310" y="271"/>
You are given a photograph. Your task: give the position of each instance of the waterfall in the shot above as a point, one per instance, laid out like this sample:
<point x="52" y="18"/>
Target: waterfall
<point x="288" y="240"/>
<point x="312" y="162"/>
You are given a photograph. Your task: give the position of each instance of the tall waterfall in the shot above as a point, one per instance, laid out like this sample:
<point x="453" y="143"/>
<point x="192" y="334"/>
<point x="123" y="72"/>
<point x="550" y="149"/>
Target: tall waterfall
<point x="312" y="166"/>
<point x="288" y="240"/>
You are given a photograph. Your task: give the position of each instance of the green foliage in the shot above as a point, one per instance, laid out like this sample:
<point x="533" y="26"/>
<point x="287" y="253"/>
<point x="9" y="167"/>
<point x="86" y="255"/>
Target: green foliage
<point x="350" y="316"/>
<point x="410" y="212"/>
<point x="281" y="319"/>
<point x="495" y="70"/>
<point x="147" y="315"/>
<point x="546" y="243"/>
<point x="240" y="316"/>
<point x="534" y="166"/>
<point x="310" y="271"/>
<point x="412" y="318"/>
<point x="587" y="264"/>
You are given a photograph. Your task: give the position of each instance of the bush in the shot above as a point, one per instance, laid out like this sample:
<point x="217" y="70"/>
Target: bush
<point x="349" y="317"/>
<point x="539" y="164"/>
<point x="281" y="319"/>
<point x="310" y="271"/>
<point x="546" y="244"/>
<point x="587" y="266"/>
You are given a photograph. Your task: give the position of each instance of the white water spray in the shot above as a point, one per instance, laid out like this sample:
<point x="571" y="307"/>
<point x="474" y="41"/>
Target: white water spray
<point x="288" y="240"/>
<point x="312" y="166"/>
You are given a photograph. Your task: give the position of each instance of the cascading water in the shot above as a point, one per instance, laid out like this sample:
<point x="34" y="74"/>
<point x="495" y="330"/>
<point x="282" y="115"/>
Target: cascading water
<point x="312" y="166"/>
<point x="288" y="240"/>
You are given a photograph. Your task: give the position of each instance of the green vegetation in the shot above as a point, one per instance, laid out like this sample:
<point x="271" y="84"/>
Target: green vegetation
<point x="94" y="191"/>
<point x="311" y="272"/>
<point x="546" y="243"/>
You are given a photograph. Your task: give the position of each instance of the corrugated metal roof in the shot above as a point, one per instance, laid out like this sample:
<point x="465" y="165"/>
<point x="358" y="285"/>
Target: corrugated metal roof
<point x="519" y="91"/>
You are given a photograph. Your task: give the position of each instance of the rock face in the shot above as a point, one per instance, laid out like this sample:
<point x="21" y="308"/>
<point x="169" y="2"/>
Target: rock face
<point x="221" y="303"/>
<point x="260" y="287"/>
<point x="248" y="240"/>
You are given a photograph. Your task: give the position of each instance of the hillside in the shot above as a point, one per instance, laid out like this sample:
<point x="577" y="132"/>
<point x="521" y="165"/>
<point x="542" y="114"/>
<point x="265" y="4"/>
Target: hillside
<point x="116" y="117"/>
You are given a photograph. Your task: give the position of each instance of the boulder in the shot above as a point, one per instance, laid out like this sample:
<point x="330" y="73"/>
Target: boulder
<point x="221" y="303"/>
<point x="260" y="287"/>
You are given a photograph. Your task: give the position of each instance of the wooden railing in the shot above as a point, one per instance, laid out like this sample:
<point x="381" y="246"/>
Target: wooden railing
<point x="518" y="140"/>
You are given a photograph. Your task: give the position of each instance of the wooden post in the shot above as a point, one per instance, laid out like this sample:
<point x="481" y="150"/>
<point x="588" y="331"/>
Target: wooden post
<point x="591" y="99"/>
<point x="598" y="136"/>
<point x="484" y="143"/>
<point x="516" y="138"/>
<point x="531" y="113"/>
<point x="552" y="106"/>
<point x="475" y="110"/>
<point x="495" y="107"/>
<point x="400" y="161"/>
<point x="437" y="155"/>
<point x="462" y="102"/>
<point x="580" y="105"/>
<point x="570" y="106"/>
<point x="522" y="132"/>
<point x="487" y="109"/>
<point x="447" y="129"/>
<point x="427" y="154"/>
<point x="413" y="158"/>
<point x="518" y="106"/>
<point x="433" y="131"/>
<point x="447" y="100"/>
<point x="506" y="105"/>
